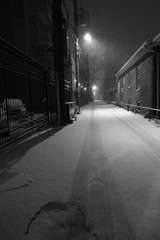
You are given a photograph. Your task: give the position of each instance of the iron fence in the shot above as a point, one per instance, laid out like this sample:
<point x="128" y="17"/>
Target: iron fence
<point x="148" y="112"/>
<point x="27" y="94"/>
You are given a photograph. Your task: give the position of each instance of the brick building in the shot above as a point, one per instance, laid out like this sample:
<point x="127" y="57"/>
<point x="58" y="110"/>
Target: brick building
<point x="138" y="79"/>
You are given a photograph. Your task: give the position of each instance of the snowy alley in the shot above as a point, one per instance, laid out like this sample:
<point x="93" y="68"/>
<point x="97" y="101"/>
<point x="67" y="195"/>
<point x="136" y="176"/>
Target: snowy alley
<point x="95" y="179"/>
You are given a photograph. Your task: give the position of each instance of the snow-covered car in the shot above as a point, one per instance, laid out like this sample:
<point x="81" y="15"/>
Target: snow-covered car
<point x="15" y="107"/>
<point x="3" y="116"/>
<point x="3" y="123"/>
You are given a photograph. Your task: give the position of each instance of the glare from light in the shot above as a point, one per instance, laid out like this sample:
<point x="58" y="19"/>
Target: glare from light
<point x="85" y="89"/>
<point x="79" y="84"/>
<point x="94" y="88"/>
<point x="88" y="38"/>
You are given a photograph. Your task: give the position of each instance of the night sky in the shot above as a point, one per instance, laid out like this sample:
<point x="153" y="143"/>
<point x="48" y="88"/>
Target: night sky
<point x="118" y="29"/>
<point x="125" y="24"/>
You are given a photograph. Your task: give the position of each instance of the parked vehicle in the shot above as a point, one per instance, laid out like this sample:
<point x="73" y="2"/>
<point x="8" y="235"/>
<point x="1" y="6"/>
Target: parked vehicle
<point x="3" y="124"/>
<point x="2" y="115"/>
<point x="14" y="107"/>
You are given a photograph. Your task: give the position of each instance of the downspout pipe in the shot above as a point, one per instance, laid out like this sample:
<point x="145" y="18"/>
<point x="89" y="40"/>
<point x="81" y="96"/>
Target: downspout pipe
<point x="147" y="44"/>
<point x="158" y="85"/>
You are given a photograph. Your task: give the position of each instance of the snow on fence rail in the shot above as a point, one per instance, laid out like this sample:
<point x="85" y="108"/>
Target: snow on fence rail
<point x="151" y="113"/>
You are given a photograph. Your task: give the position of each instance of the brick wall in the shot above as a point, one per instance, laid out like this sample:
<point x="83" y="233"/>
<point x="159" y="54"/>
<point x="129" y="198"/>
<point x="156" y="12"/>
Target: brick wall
<point x="144" y="94"/>
<point x="146" y="89"/>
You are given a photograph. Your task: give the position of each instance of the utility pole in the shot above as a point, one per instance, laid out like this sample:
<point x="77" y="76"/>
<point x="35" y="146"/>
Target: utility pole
<point x="59" y="58"/>
<point x="76" y="50"/>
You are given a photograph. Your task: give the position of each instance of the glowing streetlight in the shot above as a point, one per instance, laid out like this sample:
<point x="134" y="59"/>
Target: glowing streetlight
<point x="94" y="88"/>
<point x="88" y="37"/>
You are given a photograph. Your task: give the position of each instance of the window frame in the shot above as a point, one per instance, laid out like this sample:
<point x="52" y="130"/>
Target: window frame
<point x="129" y="79"/>
<point x="138" y="78"/>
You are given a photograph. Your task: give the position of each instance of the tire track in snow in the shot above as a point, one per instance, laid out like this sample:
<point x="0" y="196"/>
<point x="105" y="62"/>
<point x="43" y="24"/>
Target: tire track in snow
<point x="106" y="214"/>
<point x="99" y="216"/>
<point x="102" y="215"/>
<point x="77" y="216"/>
<point x="115" y="221"/>
<point x="99" y="211"/>
<point x="122" y="228"/>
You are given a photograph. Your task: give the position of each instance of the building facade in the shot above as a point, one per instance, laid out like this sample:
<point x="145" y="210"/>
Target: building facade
<point x="28" y="25"/>
<point x="138" y="79"/>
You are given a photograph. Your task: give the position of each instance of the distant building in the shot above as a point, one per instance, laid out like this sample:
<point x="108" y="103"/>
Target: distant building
<point x="138" y="79"/>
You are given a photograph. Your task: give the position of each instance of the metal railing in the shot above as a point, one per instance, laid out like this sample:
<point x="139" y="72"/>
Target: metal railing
<point x="148" y="112"/>
<point x="27" y="94"/>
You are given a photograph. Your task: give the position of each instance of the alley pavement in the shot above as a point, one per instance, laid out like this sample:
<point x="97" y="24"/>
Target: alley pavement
<point x="97" y="178"/>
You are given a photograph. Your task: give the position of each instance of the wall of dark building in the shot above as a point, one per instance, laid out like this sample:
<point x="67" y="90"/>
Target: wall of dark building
<point x="127" y="90"/>
<point x="146" y="87"/>
<point x="12" y="23"/>
<point x="27" y="25"/>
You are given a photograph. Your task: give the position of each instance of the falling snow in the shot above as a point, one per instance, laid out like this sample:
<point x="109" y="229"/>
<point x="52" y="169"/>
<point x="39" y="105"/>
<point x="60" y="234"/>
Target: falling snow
<point x="97" y="178"/>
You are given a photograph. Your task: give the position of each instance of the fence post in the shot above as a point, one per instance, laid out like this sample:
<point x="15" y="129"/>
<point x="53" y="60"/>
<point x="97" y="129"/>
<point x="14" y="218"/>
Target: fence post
<point x="5" y="90"/>
<point x="57" y="100"/>
<point x="150" y="114"/>
<point x="30" y="99"/>
<point x="47" y="104"/>
<point x="158" y="85"/>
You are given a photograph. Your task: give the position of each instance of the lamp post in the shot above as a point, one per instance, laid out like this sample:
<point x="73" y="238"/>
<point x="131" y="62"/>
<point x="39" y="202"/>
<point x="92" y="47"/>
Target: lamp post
<point x="76" y="50"/>
<point x="82" y="20"/>
<point x="88" y="42"/>
<point x="94" y="88"/>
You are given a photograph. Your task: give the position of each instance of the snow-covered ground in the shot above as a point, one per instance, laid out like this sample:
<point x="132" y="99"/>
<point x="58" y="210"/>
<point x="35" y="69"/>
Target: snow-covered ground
<point x="97" y="178"/>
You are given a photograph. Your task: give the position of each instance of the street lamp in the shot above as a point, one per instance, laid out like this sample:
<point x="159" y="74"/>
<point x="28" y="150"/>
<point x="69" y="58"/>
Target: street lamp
<point x="79" y="88"/>
<point x="80" y="19"/>
<point x="94" y="88"/>
<point x="88" y="37"/>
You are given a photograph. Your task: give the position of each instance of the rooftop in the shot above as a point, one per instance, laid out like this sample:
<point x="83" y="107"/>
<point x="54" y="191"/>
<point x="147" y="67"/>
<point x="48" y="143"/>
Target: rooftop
<point x="147" y="46"/>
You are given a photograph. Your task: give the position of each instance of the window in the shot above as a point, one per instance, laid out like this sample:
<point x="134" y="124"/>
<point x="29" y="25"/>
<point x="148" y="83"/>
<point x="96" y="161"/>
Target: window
<point x="129" y="80"/>
<point x="124" y="80"/>
<point x="118" y="86"/>
<point x="123" y="84"/>
<point x="138" y="78"/>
